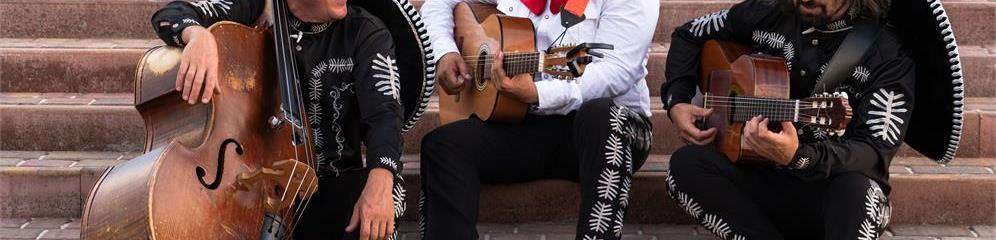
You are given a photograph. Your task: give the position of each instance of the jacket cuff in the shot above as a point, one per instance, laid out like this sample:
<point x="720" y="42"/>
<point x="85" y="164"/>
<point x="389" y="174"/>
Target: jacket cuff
<point x="670" y="100"/>
<point x="391" y="164"/>
<point x="171" y="30"/>
<point x="804" y="158"/>
<point x="555" y="97"/>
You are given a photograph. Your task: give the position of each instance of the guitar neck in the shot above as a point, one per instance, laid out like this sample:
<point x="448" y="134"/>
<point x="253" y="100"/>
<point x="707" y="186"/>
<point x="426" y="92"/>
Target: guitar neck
<point x="742" y="109"/>
<point x="513" y="63"/>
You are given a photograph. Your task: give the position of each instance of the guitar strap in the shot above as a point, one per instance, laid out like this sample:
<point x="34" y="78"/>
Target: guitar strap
<point x="572" y="12"/>
<point x="848" y="54"/>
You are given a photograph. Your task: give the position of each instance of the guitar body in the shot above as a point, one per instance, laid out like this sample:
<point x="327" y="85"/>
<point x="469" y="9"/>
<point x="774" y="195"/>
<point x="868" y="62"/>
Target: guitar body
<point x="728" y="71"/>
<point x="480" y="31"/>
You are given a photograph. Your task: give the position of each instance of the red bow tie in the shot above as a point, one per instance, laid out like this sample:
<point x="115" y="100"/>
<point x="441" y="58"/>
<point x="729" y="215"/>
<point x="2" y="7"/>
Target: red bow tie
<point x="536" y="6"/>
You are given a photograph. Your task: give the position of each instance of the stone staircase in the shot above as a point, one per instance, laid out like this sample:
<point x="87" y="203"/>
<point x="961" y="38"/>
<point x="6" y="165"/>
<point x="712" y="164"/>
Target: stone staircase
<point x="66" y="95"/>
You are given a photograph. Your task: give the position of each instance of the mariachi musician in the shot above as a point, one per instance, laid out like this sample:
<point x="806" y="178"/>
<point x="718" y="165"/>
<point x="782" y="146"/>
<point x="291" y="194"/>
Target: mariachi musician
<point x="594" y="130"/>
<point x="356" y="94"/>
<point x="906" y="86"/>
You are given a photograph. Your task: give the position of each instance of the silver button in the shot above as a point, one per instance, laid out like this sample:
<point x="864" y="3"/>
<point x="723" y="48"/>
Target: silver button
<point x="816" y="42"/>
<point x="298" y="47"/>
<point x="802" y="72"/>
<point x="546" y="17"/>
<point x="509" y="9"/>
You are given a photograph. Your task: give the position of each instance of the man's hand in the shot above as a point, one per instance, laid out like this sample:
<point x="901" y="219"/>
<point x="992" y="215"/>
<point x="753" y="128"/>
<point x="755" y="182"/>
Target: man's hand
<point x="453" y="72"/>
<point x="198" y="66"/>
<point x="778" y="147"/>
<point x="518" y="87"/>
<point x="684" y="115"/>
<point x="374" y="211"/>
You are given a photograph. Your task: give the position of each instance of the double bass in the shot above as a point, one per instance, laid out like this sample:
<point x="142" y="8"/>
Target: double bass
<point x="239" y="167"/>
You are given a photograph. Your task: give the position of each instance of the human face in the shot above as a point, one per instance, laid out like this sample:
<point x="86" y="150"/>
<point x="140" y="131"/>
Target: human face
<point x="820" y="12"/>
<point x="317" y="11"/>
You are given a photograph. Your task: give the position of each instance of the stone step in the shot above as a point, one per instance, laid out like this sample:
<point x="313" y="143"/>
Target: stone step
<point x="55" y="184"/>
<point x="130" y="18"/>
<point x="69" y="229"/>
<point x="108" y="66"/>
<point x="109" y="122"/>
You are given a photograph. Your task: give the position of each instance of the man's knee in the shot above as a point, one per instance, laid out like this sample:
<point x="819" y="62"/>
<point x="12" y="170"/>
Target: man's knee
<point x="689" y="160"/>
<point x="595" y="107"/>
<point x="443" y="142"/>
<point x="853" y="184"/>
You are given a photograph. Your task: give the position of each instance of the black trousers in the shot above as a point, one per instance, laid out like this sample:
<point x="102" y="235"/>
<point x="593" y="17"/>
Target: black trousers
<point x="760" y="202"/>
<point x="601" y="145"/>
<point x="330" y="209"/>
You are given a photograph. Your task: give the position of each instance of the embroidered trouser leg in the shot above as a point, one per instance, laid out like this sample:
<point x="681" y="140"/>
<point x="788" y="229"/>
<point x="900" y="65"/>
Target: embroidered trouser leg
<point x="330" y="209"/>
<point x="593" y="146"/>
<point x="757" y="202"/>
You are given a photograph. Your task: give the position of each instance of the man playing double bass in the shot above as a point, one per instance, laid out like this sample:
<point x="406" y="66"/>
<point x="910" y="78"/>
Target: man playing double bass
<point x="347" y="57"/>
<point x="822" y="186"/>
<point x="593" y="130"/>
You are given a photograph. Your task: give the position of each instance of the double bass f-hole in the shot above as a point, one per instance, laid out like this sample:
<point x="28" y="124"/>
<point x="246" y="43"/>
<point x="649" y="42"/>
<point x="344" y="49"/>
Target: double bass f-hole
<point x="201" y="173"/>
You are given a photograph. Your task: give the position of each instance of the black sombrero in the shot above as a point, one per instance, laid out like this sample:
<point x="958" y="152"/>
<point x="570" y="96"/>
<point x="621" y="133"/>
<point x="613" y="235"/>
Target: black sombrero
<point x="935" y="127"/>
<point x="416" y="63"/>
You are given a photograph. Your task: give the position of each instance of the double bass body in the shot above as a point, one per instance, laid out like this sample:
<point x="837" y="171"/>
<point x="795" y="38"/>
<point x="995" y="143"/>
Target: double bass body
<point x="203" y="174"/>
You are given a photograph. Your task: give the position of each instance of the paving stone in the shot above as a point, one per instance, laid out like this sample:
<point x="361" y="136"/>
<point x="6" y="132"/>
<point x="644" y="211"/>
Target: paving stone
<point x="494" y="228"/>
<point x="506" y="236"/>
<point x="547" y="228"/>
<point x="900" y="170"/>
<point x="10" y="162"/>
<point x="21" y="154"/>
<point x="13" y="222"/>
<point x="686" y="237"/>
<point x="638" y="237"/>
<point x="97" y="163"/>
<point x="985" y="230"/>
<point x="14" y="233"/>
<point x="953" y="231"/>
<point x="951" y="170"/>
<point x="74" y="224"/>
<point x="668" y="229"/>
<point x="74" y="155"/>
<point x="46" y="163"/>
<point x="47" y="223"/>
<point x="61" y="234"/>
<point x="907" y="238"/>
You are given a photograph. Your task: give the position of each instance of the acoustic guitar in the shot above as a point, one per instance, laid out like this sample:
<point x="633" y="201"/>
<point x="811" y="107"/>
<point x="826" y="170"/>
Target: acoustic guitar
<point x="480" y="33"/>
<point x="739" y="85"/>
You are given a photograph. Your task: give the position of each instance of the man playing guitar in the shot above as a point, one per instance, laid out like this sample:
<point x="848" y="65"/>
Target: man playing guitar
<point x="593" y="130"/>
<point x="346" y="55"/>
<point x="823" y="186"/>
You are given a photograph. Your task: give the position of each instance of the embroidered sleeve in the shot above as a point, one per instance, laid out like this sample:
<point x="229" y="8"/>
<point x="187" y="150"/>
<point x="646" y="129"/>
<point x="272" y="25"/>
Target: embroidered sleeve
<point x="378" y="89"/>
<point x="734" y="24"/>
<point x="170" y="21"/>
<point x="876" y="130"/>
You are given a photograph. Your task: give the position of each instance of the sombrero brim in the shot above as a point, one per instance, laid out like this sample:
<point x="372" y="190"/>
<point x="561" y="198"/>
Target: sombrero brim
<point x="416" y="63"/>
<point x="935" y="127"/>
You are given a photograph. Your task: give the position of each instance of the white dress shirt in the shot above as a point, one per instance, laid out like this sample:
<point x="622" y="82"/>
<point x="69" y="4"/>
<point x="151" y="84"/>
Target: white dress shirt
<point x="626" y="24"/>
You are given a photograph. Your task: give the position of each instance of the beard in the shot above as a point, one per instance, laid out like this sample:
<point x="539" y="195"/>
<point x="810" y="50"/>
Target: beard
<point x="814" y="12"/>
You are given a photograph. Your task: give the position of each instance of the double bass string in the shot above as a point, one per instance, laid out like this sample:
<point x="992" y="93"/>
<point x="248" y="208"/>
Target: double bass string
<point x="282" y="31"/>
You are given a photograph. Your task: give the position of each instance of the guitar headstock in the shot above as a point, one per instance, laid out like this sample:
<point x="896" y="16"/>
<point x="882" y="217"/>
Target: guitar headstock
<point x="828" y="111"/>
<point x="569" y="61"/>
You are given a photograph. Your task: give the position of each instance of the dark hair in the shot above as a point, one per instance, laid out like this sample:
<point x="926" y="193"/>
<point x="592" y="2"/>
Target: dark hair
<point x="871" y="9"/>
<point x="866" y="9"/>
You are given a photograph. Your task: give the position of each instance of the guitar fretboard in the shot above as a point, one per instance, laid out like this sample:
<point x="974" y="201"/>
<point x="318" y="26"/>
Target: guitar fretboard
<point x="742" y="109"/>
<point x="513" y="63"/>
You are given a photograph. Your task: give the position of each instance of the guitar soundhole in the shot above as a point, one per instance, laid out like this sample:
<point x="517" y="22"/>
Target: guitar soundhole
<point x="483" y="68"/>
